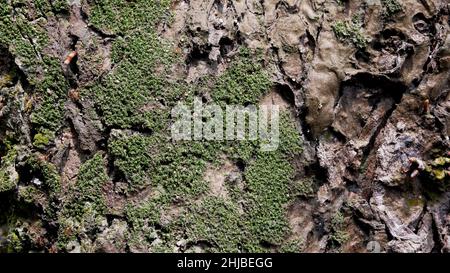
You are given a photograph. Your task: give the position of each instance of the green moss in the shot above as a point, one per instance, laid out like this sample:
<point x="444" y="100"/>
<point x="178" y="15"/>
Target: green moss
<point x="350" y="32"/>
<point x="145" y="50"/>
<point x="290" y="142"/>
<point x="49" y="112"/>
<point x="8" y="175"/>
<point x="217" y="222"/>
<point x="84" y="211"/>
<point x="48" y="7"/>
<point x="391" y="7"/>
<point x="59" y="6"/>
<point x="304" y="188"/>
<point x="338" y="236"/>
<point x="26" y="40"/>
<point x="51" y="183"/>
<point x="91" y="180"/>
<point x="137" y="93"/>
<point x="337" y="221"/>
<point x="262" y="220"/>
<point x="177" y="167"/>
<point x="175" y="172"/>
<point x="48" y="172"/>
<point x="244" y="82"/>
<point x="140" y="215"/>
<point x="142" y="218"/>
<point x="267" y="178"/>
<point x="180" y="168"/>
<point x="116" y="16"/>
<point x="243" y="150"/>
<point x="85" y="221"/>
<point x="28" y="194"/>
<point x="292" y="246"/>
<point x="7" y="142"/>
<point x="132" y="157"/>
<point x="41" y="140"/>
<point x="131" y="95"/>
<point x="14" y="243"/>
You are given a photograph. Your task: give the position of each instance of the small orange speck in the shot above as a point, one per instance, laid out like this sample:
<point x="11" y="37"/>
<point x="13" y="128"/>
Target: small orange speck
<point x="70" y="57"/>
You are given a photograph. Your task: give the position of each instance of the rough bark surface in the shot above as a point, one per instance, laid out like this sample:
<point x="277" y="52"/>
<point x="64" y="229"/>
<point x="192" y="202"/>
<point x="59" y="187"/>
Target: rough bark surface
<point x="87" y="163"/>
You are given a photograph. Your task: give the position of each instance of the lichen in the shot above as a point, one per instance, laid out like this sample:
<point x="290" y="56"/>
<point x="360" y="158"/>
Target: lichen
<point x="437" y="172"/>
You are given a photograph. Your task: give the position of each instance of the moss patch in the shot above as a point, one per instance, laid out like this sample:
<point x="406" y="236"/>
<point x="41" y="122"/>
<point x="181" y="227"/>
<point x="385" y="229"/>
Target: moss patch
<point x="244" y="82"/>
<point x="268" y="178"/>
<point x="175" y="172"/>
<point x="137" y="92"/>
<point x="84" y="212"/>
<point x="262" y="219"/>
<point x="131" y="96"/>
<point x="42" y="139"/>
<point x="338" y="236"/>
<point x="151" y="160"/>
<point x="8" y="175"/>
<point x="116" y="16"/>
<point x="303" y="188"/>
<point x="26" y="39"/>
<point x="47" y="172"/>
<point x="350" y="32"/>
<point x="89" y="187"/>
<point x="217" y="222"/>
<point x="391" y="7"/>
